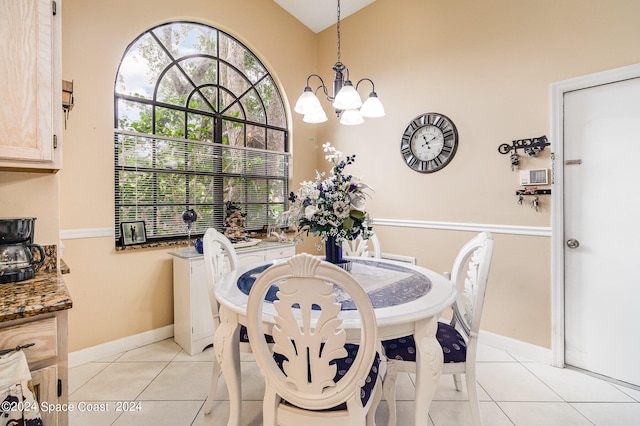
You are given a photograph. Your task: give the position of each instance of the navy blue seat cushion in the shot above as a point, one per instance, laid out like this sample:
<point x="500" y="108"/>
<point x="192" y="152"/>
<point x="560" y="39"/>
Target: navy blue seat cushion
<point x="343" y="366"/>
<point x="453" y="345"/>
<point x="244" y="336"/>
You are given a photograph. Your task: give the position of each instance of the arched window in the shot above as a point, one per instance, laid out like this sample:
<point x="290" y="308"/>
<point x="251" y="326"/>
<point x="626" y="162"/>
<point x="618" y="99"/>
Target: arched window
<point x="199" y="122"/>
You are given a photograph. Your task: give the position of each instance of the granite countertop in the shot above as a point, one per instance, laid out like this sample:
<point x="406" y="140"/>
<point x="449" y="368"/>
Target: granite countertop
<point x="44" y="293"/>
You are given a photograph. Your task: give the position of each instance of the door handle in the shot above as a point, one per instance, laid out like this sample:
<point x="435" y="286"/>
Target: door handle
<point x="573" y="243"/>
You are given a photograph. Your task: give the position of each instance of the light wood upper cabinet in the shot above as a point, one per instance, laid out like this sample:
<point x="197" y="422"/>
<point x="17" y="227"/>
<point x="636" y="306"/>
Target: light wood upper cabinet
<point x="31" y="76"/>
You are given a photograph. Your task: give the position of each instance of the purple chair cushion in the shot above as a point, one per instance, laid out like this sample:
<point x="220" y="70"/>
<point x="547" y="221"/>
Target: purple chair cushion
<point x="343" y="366"/>
<point x="244" y="336"/>
<point x="453" y="345"/>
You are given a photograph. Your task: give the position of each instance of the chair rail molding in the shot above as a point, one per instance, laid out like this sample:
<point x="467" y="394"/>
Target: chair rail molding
<point x="76" y="234"/>
<point x="537" y="231"/>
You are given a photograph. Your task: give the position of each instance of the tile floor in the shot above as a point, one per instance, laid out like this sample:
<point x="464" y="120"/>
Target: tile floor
<point x="161" y="385"/>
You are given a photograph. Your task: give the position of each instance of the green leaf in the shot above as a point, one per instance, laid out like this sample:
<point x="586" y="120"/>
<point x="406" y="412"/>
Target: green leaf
<point x="347" y="223"/>
<point x="357" y="214"/>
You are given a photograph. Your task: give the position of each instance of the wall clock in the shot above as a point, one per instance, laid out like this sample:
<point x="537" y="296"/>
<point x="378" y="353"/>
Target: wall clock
<point x="429" y="142"/>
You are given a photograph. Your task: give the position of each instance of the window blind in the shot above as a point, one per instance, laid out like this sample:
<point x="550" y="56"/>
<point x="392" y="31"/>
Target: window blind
<point x="157" y="178"/>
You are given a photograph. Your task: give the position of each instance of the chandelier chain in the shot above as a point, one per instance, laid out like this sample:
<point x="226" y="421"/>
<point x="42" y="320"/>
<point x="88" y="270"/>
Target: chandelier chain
<point x="338" y="27"/>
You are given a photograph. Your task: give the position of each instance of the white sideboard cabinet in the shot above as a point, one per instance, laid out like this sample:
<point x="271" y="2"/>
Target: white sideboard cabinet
<point x="192" y="321"/>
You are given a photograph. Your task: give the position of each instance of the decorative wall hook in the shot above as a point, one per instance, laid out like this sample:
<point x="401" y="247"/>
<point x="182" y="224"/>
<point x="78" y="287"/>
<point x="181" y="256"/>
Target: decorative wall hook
<point x="67" y="99"/>
<point x="515" y="161"/>
<point x="533" y="191"/>
<point x="528" y="145"/>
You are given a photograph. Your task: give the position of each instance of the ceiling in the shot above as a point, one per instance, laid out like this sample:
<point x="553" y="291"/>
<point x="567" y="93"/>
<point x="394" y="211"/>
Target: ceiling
<point x="318" y="15"/>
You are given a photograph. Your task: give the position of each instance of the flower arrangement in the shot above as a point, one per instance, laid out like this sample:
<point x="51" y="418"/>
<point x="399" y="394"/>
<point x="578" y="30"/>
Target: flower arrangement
<point x="332" y="207"/>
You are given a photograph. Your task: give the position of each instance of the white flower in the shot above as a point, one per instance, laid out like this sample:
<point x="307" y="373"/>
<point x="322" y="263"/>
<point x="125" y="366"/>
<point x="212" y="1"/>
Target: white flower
<point x="310" y="192"/>
<point x="341" y="209"/>
<point x="333" y="154"/>
<point x="357" y="200"/>
<point x="310" y="211"/>
<point x="334" y="204"/>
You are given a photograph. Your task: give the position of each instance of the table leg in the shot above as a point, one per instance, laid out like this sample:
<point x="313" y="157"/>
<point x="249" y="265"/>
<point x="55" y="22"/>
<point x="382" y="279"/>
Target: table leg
<point x="227" y="350"/>
<point x="429" y="360"/>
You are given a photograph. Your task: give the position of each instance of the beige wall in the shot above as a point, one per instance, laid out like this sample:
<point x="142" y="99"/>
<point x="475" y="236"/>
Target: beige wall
<point x="117" y="294"/>
<point x="32" y="195"/>
<point x="487" y="65"/>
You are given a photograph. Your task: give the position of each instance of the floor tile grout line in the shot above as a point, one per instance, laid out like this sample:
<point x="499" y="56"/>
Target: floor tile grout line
<point x="89" y="379"/>
<point x="569" y="401"/>
<point x="544" y="383"/>
<point x="178" y="358"/>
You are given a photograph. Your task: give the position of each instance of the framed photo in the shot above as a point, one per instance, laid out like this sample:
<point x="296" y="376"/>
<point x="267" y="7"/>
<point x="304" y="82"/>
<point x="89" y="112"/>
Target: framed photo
<point x="133" y="233"/>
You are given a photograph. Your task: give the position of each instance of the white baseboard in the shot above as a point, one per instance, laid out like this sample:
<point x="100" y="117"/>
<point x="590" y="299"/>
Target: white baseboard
<point x="517" y="347"/>
<point x="95" y="353"/>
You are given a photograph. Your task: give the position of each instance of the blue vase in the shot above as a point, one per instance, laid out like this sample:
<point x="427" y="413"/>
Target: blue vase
<point x="333" y="254"/>
<point x="333" y="251"/>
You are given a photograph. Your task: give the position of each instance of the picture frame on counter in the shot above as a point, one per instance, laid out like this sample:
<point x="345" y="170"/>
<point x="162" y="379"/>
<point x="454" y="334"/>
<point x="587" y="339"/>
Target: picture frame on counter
<point x="133" y="233"/>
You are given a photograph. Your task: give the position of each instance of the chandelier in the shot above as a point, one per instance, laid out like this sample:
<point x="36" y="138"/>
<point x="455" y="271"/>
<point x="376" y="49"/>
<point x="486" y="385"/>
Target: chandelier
<point x="345" y="99"/>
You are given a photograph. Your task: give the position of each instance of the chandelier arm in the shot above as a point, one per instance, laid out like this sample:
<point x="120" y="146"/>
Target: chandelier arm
<point x="347" y="74"/>
<point x="322" y="85"/>
<point x="314" y="75"/>
<point x="373" y="86"/>
<point x="325" y="90"/>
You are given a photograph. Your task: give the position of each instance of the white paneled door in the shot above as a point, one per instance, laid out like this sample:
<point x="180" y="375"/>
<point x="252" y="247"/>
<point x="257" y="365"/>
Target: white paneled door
<point x="602" y="229"/>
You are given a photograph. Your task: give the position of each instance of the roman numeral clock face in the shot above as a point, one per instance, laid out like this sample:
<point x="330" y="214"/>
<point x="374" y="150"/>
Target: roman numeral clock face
<point x="429" y="142"/>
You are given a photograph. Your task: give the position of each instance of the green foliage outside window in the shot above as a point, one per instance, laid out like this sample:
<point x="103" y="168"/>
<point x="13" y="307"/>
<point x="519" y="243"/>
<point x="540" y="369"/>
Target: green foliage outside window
<point x="199" y="122"/>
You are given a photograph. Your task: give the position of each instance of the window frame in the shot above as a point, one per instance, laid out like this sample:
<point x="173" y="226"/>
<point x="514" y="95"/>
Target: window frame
<point x="277" y="161"/>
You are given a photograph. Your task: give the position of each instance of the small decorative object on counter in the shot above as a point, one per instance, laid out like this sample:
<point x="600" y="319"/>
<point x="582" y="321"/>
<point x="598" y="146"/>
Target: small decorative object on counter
<point x="189" y="216"/>
<point x="235" y="224"/>
<point x="197" y="244"/>
<point x="332" y="207"/>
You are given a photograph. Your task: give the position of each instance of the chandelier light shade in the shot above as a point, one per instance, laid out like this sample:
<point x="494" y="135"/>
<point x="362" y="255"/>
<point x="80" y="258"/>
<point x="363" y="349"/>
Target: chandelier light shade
<point x="345" y="98"/>
<point x="372" y="107"/>
<point x="351" y="117"/>
<point x="315" y="117"/>
<point x="308" y="103"/>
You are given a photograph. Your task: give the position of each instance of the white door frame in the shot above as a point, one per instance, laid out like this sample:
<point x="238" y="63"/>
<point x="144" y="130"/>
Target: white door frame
<point x="557" y="210"/>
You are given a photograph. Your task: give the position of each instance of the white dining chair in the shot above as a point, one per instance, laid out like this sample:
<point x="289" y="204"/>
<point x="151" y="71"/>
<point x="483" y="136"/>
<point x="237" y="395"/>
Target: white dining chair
<point x="359" y="247"/>
<point x="459" y="338"/>
<point x="219" y="258"/>
<point x="313" y="377"/>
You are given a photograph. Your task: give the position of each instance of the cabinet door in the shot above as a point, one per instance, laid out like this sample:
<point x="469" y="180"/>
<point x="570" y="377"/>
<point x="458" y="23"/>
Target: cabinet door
<point x="280" y="252"/>
<point x="248" y="258"/>
<point x="201" y="319"/>
<point x="45" y="385"/>
<point x="30" y="76"/>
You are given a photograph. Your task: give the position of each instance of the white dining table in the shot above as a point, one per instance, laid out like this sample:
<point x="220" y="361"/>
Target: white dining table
<point x="407" y="299"/>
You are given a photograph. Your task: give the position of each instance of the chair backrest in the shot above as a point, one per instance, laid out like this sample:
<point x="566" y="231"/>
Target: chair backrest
<point x="470" y="273"/>
<point x="214" y="247"/>
<point x="360" y="247"/>
<point x="308" y="333"/>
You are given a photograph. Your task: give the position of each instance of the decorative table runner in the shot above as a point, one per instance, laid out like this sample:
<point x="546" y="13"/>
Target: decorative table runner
<point x="386" y="284"/>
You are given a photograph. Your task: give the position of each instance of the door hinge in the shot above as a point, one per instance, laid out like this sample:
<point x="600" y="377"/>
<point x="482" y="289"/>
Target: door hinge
<point x="55" y="141"/>
<point x="59" y="388"/>
<point x="54" y="7"/>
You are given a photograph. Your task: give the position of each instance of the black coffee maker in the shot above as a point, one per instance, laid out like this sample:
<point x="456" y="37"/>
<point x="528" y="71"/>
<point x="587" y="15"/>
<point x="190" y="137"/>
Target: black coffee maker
<point x="17" y="260"/>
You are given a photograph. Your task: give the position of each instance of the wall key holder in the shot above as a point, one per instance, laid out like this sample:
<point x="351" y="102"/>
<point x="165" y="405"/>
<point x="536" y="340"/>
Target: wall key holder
<point x="535" y="202"/>
<point x="539" y="142"/>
